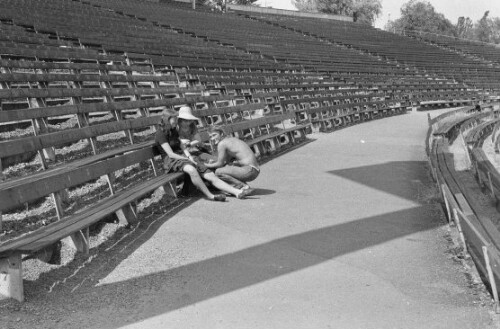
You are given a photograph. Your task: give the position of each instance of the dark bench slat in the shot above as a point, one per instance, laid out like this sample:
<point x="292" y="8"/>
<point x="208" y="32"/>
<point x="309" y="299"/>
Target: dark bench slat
<point x="278" y="133"/>
<point x="258" y="122"/>
<point x="42" y="112"/>
<point x="40" y="65"/>
<point x="67" y="167"/>
<point x="50" y="77"/>
<point x="35" y="143"/>
<point x="229" y="109"/>
<point x="56" y="181"/>
<point x="58" y="230"/>
<point x="89" y="92"/>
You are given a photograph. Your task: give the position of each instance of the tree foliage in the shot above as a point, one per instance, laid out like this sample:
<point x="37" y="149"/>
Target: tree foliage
<point x="417" y="15"/>
<point x="363" y="10"/>
<point x="421" y="16"/>
<point x="464" y="27"/>
<point x="219" y="4"/>
<point x="308" y="6"/>
<point x="484" y="28"/>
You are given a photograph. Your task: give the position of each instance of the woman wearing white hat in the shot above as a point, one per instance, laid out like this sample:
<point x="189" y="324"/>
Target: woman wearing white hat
<point x="182" y="126"/>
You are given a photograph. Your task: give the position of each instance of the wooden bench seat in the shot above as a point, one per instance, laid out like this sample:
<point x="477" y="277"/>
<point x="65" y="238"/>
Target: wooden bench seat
<point x="29" y="146"/>
<point x="68" y="166"/>
<point x="76" y="225"/>
<point x="17" y="192"/>
<point x="49" y="111"/>
<point x="450" y="128"/>
<point x="50" y="77"/>
<point x="475" y="137"/>
<point x="86" y="92"/>
<point x="77" y="67"/>
<point x="268" y="134"/>
<point x="55" y="53"/>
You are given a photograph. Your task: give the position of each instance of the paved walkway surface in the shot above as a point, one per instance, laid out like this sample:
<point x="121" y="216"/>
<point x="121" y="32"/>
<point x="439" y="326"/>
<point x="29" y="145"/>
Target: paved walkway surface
<point x="343" y="233"/>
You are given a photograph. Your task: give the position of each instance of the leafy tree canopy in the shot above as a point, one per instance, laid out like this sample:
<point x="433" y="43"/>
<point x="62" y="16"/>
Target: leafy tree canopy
<point x="363" y="10"/>
<point x="417" y="15"/>
<point x="219" y="4"/>
<point x="421" y="16"/>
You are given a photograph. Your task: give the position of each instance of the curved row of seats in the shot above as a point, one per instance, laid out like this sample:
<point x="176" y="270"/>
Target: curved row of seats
<point x="477" y="224"/>
<point x="473" y="48"/>
<point x="412" y="53"/>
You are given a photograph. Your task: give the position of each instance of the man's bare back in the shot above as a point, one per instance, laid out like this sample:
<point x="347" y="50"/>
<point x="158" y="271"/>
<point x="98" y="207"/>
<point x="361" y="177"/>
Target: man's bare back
<point x="236" y="163"/>
<point x="237" y="150"/>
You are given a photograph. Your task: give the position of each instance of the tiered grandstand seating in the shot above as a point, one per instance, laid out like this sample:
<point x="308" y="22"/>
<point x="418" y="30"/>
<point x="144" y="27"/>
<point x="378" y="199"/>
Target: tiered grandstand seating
<point x="473" y="48"/>
<point x="83" y="85"/>
<point x="426" y="59"/>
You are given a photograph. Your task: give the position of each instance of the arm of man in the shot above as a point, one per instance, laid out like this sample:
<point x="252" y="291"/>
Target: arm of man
<point x="221" y="156"/>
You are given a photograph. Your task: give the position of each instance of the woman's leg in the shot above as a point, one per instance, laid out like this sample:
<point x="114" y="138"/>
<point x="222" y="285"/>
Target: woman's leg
<point x="197" y="181"/>
<point x="223" y="186"/>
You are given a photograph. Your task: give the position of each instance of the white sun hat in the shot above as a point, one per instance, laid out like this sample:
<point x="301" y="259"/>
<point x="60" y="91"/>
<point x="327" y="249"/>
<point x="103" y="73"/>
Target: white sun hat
<point x="186" y="113"/>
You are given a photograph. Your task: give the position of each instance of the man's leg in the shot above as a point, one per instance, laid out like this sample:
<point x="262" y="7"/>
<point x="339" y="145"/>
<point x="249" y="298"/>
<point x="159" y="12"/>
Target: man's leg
<point x="230" y="179"/>
<point x="237" y="176"/>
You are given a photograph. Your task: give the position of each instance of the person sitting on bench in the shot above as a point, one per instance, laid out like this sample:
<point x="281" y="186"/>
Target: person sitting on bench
<point x="175" y="126"/>
<point x="236" y="163"/>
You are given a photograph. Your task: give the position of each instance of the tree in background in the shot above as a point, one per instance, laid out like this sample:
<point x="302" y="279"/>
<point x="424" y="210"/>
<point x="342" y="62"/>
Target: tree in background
<point x="495" y="38"/>
<point x="219" y="4"/>
<point x="421" y="16"/>
<point x="367" y="10"/>
<point x="364" y="11"/>
<point x="308" y="6"/>
<point x="464" y="27"/>
<point x="484" y="28"/>
<point x="417" y="15"/>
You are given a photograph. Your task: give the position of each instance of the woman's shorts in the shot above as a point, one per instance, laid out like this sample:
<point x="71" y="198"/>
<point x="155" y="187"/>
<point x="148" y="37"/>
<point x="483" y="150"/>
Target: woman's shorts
<point x="177" y="165"/>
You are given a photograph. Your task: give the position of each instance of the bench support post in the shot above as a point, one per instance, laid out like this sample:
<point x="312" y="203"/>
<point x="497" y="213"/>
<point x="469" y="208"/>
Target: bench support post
<point x="2" y="176"/>
<point x="170" y="190"/>
<point x="11" y="278"/>
<point x="491" y="278"/>
<point x="460" y="232"/>
<point x="492" y="191"/>
<point x="80" y="241"/>
<point x="272" y="142"/>
<point x="126" y="215"/>
<point x="257" y="149"/>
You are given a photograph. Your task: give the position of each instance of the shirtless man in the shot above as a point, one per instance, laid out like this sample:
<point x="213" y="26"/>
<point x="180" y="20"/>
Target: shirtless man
<point x="236" y="163"/>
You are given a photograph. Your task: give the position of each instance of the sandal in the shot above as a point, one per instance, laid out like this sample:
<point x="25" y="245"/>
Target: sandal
<point x="219" y="197"/>
<point x="244" y="193"/>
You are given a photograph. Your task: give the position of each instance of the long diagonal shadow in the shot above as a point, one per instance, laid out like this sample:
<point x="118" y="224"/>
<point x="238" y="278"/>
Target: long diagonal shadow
<point x="192" y="283"/>
<point x="396" y="177"/>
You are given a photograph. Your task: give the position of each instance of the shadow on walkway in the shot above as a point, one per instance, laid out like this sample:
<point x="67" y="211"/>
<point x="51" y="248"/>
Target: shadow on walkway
<point x="148" y="225"/>
<point x="396" y="177"/>
<point x="196" y="282"/>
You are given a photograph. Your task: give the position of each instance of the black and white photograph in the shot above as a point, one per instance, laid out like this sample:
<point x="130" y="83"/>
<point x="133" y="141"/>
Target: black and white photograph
<point x="249" y="164"/>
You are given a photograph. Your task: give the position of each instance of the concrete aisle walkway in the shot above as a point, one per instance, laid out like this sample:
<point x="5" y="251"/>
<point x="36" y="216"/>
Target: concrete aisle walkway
<point x="341" y="235"/>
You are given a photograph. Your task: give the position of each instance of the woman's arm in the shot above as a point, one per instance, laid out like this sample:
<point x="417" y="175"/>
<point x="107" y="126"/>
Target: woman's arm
<point x="171" y="154"/>
<point x="196" y="140"/>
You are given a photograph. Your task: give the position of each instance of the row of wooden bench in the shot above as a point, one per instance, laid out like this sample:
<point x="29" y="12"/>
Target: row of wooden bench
<point x="267" y="126"/>
<point x="478" y="233"/>
<point x="267" y="134"/>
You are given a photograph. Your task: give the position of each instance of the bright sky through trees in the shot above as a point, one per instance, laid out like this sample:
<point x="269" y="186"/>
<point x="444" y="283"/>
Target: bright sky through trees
<point x="452" y="9"/>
